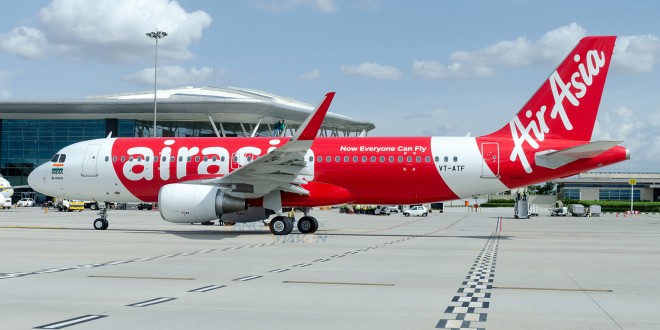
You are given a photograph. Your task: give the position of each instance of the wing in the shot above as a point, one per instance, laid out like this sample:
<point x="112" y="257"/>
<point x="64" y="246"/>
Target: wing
<point x="556" y="158"/>
<point x="282" y="168"/>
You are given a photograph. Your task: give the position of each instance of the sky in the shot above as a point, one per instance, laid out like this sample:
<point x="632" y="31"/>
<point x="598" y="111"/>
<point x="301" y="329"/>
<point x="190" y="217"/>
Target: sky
<point x="426" y="67"/>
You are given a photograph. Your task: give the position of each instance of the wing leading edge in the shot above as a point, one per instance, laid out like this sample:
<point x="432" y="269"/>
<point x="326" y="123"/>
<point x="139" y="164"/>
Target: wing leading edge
<point x="282" y="168"/>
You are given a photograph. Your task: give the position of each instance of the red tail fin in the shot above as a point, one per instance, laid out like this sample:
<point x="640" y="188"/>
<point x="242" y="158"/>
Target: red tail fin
<point x="565" y="106"/>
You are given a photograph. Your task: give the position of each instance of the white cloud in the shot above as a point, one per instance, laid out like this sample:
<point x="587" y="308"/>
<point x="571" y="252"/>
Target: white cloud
<point x="169" y="76"/>
<point x="640" y="133"/>
<point x="445" y="129"/>
<point x="109" y="30"/>
<point x="314" y="74"/>
<point x="278" y="6"/>
<point x="372" y="70"/>
<point x="635" y="54"/>
<point x="4" y="81"/>
<point x="435" y="70"/>
<point x="552" y="47"/>
<point x="24" y="41"/>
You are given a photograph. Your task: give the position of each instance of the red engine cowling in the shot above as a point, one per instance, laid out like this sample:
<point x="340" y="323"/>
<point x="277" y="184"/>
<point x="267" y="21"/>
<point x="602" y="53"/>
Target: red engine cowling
<point x="188" y="203"/>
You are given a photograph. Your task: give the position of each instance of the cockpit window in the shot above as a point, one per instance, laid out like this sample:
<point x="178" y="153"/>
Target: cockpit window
<point x="62" y="158"/>
<point x="55" y="158"/>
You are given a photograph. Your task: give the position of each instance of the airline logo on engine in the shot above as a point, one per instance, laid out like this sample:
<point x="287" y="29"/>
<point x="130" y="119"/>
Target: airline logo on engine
<point x="572" y="91"/>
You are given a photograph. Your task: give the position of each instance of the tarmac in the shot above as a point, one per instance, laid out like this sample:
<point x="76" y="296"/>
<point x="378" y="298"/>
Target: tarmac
<point x="456" y="269"/>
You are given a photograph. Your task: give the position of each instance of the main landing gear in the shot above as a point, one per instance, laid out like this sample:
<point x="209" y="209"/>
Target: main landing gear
<point x="281" y="225"/>
<point x="102" y="222"/>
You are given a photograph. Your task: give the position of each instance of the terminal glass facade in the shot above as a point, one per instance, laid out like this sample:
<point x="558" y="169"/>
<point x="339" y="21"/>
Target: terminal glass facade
<point x="572" y="193"/>
<point x="618" y="194"/>
<point x="25" y="144"/>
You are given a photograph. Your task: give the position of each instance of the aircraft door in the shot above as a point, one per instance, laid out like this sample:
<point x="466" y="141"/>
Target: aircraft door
<point x="490" y="168"/>
<point x="89" y="161"/>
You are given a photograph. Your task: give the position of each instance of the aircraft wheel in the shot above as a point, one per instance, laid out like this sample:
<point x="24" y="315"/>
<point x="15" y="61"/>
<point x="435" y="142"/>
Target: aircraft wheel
<point x="100" y="224"/>
<point x="93" y="207"/>
<point x="308" y="225"/>
<point x="281" y="225"/>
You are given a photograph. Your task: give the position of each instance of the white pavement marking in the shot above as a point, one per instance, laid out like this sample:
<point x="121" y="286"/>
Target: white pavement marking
<point x="279" y="270"/>
<point x="247" y="278"/>
<point x="207" y="288"/>
<point x="70" y="322"/>
<point x="151" y="302"/>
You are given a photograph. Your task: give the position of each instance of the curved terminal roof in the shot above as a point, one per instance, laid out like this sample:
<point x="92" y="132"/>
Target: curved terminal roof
<point x="181" y="104"/>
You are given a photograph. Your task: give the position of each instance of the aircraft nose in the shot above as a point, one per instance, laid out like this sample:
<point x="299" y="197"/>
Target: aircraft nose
<point x="37" y="178"/>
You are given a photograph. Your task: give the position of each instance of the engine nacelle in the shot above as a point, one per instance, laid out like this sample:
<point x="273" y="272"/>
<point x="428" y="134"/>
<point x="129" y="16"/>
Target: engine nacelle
<point x="188" y="203"/>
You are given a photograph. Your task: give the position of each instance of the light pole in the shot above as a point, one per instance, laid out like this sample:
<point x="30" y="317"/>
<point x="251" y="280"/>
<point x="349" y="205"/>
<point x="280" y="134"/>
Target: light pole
<point x="156" y="35"/>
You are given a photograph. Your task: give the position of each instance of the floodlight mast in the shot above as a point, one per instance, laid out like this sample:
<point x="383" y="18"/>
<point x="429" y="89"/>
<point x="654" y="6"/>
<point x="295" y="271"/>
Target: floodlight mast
<point x="156" y="35"/>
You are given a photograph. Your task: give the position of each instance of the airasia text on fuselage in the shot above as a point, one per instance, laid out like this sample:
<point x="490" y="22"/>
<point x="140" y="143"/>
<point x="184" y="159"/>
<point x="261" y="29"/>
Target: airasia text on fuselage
<point x="144" y="163"/>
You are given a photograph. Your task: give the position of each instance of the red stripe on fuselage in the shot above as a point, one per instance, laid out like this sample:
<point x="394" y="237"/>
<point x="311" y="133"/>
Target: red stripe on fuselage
<point x="406" y="172"/>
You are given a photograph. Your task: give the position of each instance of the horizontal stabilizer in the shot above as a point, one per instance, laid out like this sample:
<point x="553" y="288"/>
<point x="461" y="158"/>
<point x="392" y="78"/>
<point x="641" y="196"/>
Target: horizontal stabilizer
<point x="556" y="158"/>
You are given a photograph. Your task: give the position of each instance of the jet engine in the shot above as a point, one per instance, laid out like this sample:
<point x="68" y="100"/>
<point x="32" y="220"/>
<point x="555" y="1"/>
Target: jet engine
<point x="188" y="203"/>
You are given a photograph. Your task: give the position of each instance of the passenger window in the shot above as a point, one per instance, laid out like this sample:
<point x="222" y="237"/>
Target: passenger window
<point x="311" y="159"/>
<point x="222" y="159"/>
<point x="446" y="159"/>
<point x="123" y="159"/>
<point x="400" y="159"/>
<point x="189" y="159"/>
<point x="409" y="159"/>
<point x="206" y="158"/>
<point x="346" y="159"/>
<point x="382" y="159"/>
<point x="172" y="159"/>
<point x="364" y="159"/>
<point x="373" y="159"/>
<point x="55" y="158"/>
<point x="164" y="159"/>
<point x="147" y="158"/>
<point x="437" y="159"/>
<point x="214" y="158"/>
<point x="337" y="159"/>
<point x="197" y="158"/>
<point x="455" y="159"/>
<point x="130" y="158"/>
<point x="139" y="158"/>
<point x="107" y="158"/>
<point x="418" y="159"/>
<point x="114" y="159"/>
<point x="391" y="159"/>
<point x="319" y="159"/>
<point x="235" y="158"/>
<point x="355" y="159"/>
<point x="427" y="159"/>
<point x="62" y="158"/>
<point x="328" y="158"/>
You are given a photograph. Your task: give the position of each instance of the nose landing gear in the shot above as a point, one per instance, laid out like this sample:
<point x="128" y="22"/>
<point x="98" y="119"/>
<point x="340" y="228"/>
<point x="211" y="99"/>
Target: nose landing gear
<point x="102" y="222"/>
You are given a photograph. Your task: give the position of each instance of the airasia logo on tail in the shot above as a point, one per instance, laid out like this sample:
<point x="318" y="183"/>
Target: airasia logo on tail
<point x="574" y="90"/>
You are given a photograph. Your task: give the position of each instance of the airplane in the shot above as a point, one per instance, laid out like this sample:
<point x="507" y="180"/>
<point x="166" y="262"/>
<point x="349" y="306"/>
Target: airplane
<point x="201" y="179"/>
<point x="6" y="190"/>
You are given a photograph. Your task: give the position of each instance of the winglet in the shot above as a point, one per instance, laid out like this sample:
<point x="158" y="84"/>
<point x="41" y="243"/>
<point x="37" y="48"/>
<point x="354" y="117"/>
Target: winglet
<point x="310" y="127"/>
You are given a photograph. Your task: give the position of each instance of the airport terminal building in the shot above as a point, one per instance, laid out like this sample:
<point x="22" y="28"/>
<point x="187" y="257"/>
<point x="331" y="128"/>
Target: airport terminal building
<point x="31" y="131"/>
<point x="608" y="186"/>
